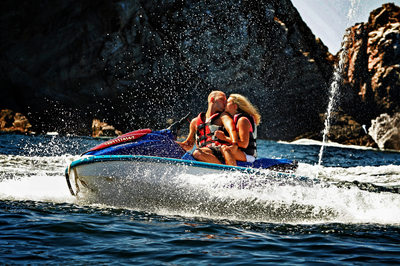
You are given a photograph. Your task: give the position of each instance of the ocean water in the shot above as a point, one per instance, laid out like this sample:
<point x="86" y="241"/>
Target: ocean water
<point x="346" y="212"/>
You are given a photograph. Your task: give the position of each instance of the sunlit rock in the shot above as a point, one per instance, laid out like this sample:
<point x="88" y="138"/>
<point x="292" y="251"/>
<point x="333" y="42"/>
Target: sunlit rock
<point x="372" y="75"/>
<point x="385" y="130"/>
<point x="102" y="129"/>
<point x="12" y="122"/>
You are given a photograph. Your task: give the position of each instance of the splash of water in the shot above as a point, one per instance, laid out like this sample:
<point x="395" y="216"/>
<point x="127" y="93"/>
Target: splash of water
<point x="234" y="196"/>
<point x="355" y="4"/>
<point x="34" y="178"/>
<point x="336" y="81"/>
<point x="334" y="89"/>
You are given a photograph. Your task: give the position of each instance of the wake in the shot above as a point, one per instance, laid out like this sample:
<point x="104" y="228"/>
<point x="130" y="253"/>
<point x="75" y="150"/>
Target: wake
<point x="235" y="196"/>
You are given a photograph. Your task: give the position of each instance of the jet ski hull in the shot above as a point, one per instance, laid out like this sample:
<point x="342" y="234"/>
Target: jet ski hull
<point x="111" y="174"/>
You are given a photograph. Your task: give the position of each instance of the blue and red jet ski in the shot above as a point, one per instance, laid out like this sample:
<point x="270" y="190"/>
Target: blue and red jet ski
<point x="144" y="150"/>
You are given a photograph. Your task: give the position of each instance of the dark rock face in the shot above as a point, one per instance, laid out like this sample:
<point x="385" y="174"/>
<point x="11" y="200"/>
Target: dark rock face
<point x="344" y="129"/>
<point x="136" y="63"/>
<point x="348" y="131"/>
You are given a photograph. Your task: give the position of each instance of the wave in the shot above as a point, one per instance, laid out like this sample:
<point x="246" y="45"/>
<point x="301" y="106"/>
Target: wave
<point x="384" y="175"/>
<point x="34" y="178"/>
<point x="297" y="199"/>
<point x="328" y="144"/>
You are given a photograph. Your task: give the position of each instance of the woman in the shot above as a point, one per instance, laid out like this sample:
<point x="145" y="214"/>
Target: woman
<point x="246" y="119"/>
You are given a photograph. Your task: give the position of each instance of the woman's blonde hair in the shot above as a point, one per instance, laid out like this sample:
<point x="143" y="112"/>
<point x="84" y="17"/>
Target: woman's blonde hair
<point x="244" y="104"/>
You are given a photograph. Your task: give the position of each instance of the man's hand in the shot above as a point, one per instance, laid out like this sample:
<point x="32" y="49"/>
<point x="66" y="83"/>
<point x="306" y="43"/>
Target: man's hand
<point x="184" y="145"/>
<point x="188" y="144"/>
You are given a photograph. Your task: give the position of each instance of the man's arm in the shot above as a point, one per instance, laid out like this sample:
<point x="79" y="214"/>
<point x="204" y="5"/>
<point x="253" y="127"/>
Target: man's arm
<point x="188" y="144"/>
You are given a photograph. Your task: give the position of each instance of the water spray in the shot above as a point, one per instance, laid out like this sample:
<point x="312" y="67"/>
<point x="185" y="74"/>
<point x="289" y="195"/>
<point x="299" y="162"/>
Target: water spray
<point x="336" y="81"/>
<point x="334" y="89"/>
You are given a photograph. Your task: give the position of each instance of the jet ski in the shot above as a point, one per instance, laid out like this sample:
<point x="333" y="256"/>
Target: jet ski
<point x="140" y="157"/>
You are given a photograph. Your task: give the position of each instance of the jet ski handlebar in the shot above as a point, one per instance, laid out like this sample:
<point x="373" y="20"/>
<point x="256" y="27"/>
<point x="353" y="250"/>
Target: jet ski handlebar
<point x="174" y="128"/>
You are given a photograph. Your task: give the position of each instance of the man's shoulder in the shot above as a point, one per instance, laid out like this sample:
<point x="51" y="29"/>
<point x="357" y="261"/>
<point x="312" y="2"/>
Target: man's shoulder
<point x="193" y="122"/>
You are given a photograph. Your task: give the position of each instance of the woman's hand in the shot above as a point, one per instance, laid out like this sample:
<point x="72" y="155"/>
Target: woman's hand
<point x="220" y="135"/>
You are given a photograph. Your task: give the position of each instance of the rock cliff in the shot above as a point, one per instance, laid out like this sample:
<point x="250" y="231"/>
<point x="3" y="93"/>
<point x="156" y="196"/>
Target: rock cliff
<point x="137" y="63"/>
<point x="371" y="75"/>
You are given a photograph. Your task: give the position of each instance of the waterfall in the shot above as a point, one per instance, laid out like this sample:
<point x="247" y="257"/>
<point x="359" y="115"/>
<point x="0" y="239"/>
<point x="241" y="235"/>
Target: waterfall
<point x="333" y="92"/>
<point x="336" y="80"/>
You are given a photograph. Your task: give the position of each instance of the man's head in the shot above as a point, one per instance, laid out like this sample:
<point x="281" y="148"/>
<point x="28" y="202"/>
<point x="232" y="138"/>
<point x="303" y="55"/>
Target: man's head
<point x="217" y="101"/>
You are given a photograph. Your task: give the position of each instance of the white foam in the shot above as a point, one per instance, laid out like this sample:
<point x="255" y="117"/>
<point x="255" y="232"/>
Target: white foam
<point x="327" y="144"/>
<point x="36" y="188"/>
<point x="385" y="175"/>
<point x="234" y="196"/>
<point x="34" y="178"/>
<point x="229" y="196"/>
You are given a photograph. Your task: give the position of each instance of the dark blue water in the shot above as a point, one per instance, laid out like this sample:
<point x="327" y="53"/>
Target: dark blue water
<point x="40" y="223"/>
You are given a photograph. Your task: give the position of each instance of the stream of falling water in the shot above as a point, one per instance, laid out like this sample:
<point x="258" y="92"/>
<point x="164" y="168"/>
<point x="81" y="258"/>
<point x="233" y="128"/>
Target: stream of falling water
<point x="334" y="89"/>
<point x="336" y="81"/>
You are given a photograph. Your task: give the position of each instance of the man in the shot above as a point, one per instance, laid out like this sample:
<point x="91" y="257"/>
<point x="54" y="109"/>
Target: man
<point x="203" y="127"/>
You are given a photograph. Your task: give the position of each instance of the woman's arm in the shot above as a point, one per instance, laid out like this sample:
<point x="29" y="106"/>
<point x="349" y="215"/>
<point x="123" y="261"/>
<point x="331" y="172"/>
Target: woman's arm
<point x="230" y="127"/>
<point x="243" y="128"/>
<point x="243" y="133"/>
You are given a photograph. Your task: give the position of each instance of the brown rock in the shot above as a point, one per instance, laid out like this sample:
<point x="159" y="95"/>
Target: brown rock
<point x="372" y="75"/>
<point x="13" y="122"/>
<point x="6" y="117"/>
<point x="385" y="130"/>
<point x="102" y="129"/>
<point x="346" y="130"/>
